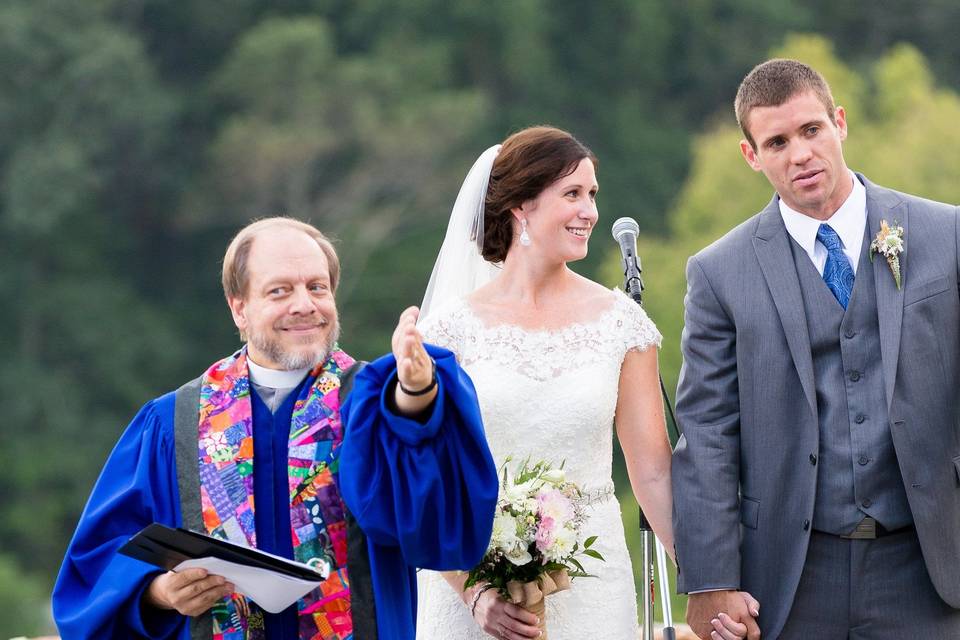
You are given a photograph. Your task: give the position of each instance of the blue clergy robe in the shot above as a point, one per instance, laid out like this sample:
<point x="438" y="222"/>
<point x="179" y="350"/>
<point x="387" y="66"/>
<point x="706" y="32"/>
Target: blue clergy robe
<point x="422" y="492"/>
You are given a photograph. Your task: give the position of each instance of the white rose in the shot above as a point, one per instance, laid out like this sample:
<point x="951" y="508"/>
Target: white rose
<point x="563" y="541"/>
<point x="519" y="556"/>
<point x="517" y="494"/>
<point x="530" y="505"/>
<point x="504" y="534"/>
<point x="554" y="476"/>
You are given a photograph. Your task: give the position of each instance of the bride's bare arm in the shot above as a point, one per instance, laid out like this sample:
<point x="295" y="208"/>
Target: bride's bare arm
<point x="643" y="437"/>
<point x="646" y="449"/>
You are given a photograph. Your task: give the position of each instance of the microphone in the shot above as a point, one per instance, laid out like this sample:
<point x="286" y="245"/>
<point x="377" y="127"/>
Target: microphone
<point x="625" y="232"/>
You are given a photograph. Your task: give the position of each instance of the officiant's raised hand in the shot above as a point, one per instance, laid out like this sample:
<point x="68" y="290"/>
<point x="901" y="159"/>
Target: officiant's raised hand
<point x="416" y="371"/>
<point x="723" y="615"/>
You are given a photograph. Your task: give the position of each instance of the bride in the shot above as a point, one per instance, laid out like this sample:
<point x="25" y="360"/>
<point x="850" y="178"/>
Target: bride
<point x="557" y="361"/>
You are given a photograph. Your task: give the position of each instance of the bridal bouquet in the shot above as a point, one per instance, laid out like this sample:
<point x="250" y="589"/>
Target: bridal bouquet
<point x="536" y="539"/>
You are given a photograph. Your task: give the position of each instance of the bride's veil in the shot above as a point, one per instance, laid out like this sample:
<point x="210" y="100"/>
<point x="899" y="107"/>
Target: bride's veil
<point x="460" y="267"/>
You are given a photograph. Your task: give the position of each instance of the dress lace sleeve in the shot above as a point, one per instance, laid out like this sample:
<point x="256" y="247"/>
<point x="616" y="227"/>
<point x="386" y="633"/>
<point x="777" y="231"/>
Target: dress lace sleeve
<point x="444" y="328"/>
<point x="639" y="331"/>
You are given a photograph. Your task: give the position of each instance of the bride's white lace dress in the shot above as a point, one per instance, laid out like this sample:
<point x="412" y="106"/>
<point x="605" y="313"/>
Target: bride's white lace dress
<point x="550" y="395"/>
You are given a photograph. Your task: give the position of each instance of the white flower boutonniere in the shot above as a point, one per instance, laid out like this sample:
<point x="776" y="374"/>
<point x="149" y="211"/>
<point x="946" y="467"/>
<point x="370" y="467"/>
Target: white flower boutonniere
<point x="889" y="244"/>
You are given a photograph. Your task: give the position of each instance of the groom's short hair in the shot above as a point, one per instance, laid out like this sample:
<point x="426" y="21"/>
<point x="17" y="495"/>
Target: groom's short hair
<point x="774" y="82"/>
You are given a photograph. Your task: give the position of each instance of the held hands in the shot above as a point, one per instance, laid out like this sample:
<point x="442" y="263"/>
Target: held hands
<point x="723" y="615"/>
<point x="415" y="368"/>
<point x="501" y="619"/>
<point x="190" y="592"/>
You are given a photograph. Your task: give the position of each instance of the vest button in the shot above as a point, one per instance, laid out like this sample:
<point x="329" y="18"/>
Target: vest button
<point x="866" y="503"/>
<point x="849" y="333"/>
<point x="863" y="460"/>
<point x="854" y="375"/>
<point x="860" y="418"/>
<point x="813" y="459"/>
<point x="806" y="525"/>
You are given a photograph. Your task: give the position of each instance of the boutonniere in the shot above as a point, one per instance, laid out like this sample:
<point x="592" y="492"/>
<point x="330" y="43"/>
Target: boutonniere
<point x="889" y="244"/>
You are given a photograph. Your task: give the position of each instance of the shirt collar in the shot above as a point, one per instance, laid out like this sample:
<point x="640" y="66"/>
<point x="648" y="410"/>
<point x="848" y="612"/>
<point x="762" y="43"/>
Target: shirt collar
<point x="275" y="378"/>
<point x="849" y="221"/>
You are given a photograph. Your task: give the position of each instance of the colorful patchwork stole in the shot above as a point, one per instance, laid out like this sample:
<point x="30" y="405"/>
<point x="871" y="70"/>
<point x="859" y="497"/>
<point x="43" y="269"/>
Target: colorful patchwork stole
<point x="317" y="519"/>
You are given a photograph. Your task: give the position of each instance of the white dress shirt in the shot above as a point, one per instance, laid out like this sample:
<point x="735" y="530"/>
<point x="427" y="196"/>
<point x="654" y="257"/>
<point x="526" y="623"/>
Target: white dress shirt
<point x="849" y="221"/>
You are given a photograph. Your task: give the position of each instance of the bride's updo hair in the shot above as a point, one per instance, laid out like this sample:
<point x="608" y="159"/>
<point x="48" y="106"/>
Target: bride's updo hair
<point x="529" y="161"/>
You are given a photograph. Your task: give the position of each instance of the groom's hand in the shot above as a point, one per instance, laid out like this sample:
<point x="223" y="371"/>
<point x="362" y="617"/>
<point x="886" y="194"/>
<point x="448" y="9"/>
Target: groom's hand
<point x="738" y="608"/>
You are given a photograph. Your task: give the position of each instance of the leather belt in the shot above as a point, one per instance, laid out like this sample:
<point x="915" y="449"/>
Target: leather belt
<point x="870" y="529"/>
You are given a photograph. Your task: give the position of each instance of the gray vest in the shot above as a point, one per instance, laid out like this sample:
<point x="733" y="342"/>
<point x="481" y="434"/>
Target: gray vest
<point x="857" y="469"/>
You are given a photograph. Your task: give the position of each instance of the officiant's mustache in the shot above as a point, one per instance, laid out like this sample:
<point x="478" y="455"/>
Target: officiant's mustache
<point x="318" y="323"/>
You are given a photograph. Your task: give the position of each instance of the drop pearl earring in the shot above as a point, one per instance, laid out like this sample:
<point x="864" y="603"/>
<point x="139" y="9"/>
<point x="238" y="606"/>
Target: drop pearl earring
<point x="524" y="236"/>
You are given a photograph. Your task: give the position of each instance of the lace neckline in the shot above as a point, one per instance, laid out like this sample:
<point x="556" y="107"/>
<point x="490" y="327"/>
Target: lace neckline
<point x="598" y="319"/>
<point x="542" y="353"/>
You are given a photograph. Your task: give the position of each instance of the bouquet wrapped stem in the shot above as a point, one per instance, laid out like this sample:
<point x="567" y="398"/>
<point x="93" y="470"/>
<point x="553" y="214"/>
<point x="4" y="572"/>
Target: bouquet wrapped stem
<point x="532" y="596"/>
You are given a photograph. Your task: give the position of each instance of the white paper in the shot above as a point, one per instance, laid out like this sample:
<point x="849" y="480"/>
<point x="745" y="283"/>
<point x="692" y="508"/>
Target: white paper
<point x="273" y="591"/>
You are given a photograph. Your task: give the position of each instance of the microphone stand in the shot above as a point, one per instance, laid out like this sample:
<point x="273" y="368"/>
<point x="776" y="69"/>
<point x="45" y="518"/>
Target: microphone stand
<point x="652" y="547"/>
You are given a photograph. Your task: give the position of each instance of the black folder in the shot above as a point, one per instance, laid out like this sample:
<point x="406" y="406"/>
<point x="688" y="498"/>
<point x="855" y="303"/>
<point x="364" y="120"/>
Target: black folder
<point x="166" y="547"/>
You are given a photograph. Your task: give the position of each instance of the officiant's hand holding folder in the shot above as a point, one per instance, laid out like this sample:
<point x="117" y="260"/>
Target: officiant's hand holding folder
<point x="272" y="582"/>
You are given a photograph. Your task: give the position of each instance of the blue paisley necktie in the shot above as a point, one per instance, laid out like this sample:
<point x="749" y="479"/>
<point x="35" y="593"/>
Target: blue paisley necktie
<point x="837" y="272"/>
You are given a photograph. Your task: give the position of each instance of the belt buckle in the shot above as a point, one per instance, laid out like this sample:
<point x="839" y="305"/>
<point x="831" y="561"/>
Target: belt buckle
<point x="866" y="530"/>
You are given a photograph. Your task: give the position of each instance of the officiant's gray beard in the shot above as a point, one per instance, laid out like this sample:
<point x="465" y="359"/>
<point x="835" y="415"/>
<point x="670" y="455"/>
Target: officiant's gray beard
<point x="292" y="360"/>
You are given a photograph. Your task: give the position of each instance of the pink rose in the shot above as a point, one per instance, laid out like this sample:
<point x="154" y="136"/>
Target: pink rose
<point x="544" y="535"/>
<point x="555" y="505"/>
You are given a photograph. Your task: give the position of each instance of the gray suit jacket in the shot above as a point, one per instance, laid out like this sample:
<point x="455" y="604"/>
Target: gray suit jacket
<point x="743" y="483"/>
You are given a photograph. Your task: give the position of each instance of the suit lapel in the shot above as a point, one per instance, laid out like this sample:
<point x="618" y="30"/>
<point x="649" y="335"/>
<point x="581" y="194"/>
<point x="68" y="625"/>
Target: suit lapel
<point x="772" y="246"/>
<point x="885" y="205"/>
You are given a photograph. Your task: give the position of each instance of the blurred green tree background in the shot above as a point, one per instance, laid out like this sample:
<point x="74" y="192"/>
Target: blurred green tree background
<point x="137" y="136"/>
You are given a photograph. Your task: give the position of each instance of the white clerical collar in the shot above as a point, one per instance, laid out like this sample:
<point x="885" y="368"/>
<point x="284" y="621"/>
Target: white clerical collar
<point x="275" y="378"/>
<point x="849" y="221"/>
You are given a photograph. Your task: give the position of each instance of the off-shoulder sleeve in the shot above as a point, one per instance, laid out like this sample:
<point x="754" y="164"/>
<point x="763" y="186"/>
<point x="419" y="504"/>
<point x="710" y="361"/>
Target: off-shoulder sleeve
<point x="98" y="591"/>
<point x="430" y="488"/>
<point x="443" y="328"/>
<point x="638" y="330"/>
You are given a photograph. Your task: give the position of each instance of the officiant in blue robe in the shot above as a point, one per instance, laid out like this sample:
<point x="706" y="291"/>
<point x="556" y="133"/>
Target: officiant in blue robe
<point x="263" y="449"/>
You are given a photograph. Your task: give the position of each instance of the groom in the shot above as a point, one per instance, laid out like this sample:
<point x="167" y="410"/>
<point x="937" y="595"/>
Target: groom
<point x="819" y="468"/>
